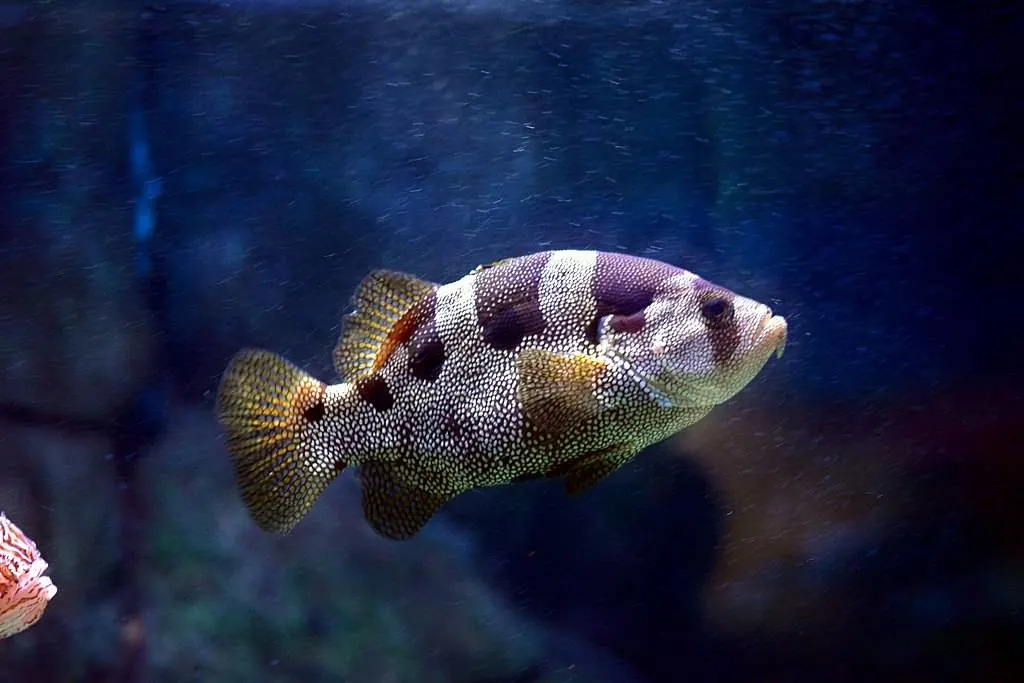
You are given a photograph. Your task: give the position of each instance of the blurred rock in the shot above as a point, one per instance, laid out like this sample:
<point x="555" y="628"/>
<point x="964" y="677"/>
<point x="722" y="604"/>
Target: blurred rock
<point x="356" y="141"/>
<point x="802" y="498"/>
<point x="76" y="341"/>
<point x="60" y="485"/>
<point x="781" y="532"/>
<point x="330" y="601"/>
<point x="831" y="507"/>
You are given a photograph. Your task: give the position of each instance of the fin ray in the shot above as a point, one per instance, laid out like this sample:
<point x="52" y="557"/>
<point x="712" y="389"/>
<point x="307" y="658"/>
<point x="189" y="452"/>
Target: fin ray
<point x="279" y="456"/>
<point x="384" y="302"/>
<point x="395" y="510"/>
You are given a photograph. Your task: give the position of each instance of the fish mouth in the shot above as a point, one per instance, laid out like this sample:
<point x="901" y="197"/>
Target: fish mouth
<point x="773" y="334"/>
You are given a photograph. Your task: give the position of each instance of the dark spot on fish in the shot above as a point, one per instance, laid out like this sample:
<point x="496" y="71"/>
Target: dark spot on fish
<point x="426" y="353"/>
<point x="506" y="329"/>
<point x="624" y="284"/>
<point x="724" y="341"/>
<point x="315" y="412"/>
<point x="453" y="426"/>
<point x="508" y="301"/>
<point x="628" y="324"/>
<point x="374" y="390"/>
<point x="717" y="311"/>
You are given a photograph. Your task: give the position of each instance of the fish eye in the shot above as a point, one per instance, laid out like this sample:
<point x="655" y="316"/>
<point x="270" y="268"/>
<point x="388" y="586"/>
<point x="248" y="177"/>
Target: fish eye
<point x="713" y="308"/>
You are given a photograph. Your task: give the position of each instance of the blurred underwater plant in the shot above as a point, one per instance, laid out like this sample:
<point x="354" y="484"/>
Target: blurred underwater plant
<point x="24" y="591"/>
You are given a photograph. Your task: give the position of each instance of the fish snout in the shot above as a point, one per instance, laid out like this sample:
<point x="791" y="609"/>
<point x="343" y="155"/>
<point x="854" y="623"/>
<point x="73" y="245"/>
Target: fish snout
<point x="774" y="331"/>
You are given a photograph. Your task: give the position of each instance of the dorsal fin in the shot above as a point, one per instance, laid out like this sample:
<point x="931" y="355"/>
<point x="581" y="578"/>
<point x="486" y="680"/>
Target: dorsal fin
<point x="484" y="266"/>
<point x="386" y="307"/>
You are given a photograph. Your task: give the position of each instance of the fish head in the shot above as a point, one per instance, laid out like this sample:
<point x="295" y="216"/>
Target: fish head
<point x="695" y="344"/>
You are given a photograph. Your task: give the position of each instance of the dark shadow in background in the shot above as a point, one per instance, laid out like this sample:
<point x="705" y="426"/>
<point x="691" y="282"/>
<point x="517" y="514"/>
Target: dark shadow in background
<point x="622" y="565"/>
<point x="936" y="597"/>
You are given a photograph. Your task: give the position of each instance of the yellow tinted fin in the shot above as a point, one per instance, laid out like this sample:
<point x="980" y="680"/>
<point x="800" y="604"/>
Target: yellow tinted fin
<point x="384" y="317"/>
<point x="395" y="510"/>
<point x="593" y="467"/>
<point x="558" y="392"/>
<point x="273" y="414"/>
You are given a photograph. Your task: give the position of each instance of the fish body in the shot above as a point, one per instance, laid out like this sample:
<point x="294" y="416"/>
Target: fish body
<point x="554" y="364"/>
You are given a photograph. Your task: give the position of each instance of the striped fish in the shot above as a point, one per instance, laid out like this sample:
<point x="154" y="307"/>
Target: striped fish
<point x="24" y="590"/>
<point x="556" y="364"/>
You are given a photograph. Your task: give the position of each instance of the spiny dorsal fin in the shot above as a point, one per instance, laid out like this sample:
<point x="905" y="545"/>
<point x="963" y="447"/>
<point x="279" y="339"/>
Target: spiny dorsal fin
<point x="395" y="510"/>
<point x="484" y="266"/>
<point x="558" y="392"/>
<point x="385" y="306"/>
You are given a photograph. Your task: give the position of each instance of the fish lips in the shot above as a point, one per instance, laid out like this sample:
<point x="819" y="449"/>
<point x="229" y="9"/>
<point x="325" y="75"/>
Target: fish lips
<point x="773" y="334"/>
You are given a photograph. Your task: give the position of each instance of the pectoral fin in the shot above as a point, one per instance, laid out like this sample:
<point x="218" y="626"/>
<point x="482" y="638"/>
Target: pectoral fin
<point x="558" y="392"/>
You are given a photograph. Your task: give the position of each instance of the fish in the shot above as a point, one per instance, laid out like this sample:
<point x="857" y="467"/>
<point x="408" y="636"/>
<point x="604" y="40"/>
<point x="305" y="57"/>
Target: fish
<point x="24" y="590"/>
<point x="561" y="364"/>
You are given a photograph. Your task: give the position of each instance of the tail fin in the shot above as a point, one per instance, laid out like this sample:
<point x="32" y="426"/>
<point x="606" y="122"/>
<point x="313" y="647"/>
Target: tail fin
<point x="273" y="414"/>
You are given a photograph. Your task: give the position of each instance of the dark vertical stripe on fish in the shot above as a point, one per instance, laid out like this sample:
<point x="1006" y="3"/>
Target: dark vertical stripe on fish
<point x="508" y="301"/>
<point x="720" y="319"/>
<point x="625" y="286"/>
<point x="426" y="352"/>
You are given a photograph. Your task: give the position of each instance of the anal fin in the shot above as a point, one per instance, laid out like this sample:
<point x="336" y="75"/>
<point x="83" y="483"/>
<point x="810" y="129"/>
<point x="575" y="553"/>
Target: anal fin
<point x="394" y="509"/>
<point x="558" y="392"/>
